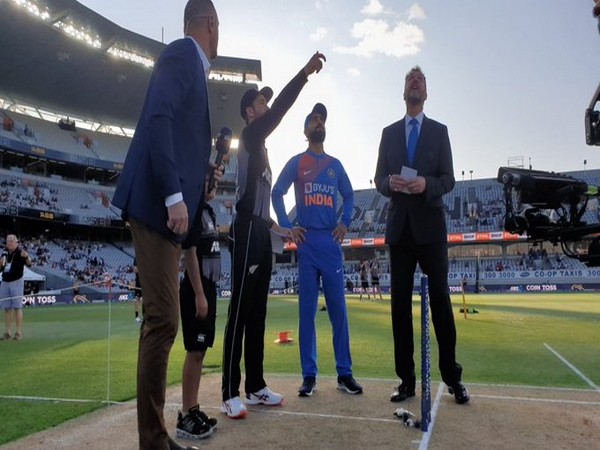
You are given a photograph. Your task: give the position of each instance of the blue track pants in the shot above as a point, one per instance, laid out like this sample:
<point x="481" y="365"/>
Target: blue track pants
<point x="320" y="258"/>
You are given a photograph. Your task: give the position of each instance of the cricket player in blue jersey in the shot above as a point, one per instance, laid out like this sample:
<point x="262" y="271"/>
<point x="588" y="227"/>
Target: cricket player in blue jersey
<point x="317" y="179"/>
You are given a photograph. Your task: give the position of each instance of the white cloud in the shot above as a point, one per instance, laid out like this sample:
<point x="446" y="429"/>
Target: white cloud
<point x="377" y="36"/>
<point x="318" y="34"/>
<point x="353" y="71"/>
<point x="372" y="8"/>
<point x="416" y="12"/>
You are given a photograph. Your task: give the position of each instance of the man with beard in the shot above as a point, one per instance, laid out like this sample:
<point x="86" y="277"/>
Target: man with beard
<point x="251" y="247"/>
<point x="415" y="170"/>
<point x="317" y="179"/>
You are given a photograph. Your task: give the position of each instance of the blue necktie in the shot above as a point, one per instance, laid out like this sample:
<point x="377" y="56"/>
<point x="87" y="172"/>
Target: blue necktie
<point x="411" y="146"/>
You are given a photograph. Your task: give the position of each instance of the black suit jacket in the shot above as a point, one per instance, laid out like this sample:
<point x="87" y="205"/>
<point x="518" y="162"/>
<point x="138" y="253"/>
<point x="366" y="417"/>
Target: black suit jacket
<point x="424" y="213"/>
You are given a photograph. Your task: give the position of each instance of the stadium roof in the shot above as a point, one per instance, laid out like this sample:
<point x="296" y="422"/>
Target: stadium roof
<point x="41" y="66"/>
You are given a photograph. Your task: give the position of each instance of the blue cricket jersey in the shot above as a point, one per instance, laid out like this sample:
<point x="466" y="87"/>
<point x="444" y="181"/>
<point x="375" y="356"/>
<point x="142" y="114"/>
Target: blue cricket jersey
<point x="317" y="180"/>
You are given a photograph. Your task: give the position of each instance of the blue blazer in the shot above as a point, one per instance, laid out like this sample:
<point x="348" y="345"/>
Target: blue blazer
<point x="171" y="146"/>
<point x="424" y="213"/>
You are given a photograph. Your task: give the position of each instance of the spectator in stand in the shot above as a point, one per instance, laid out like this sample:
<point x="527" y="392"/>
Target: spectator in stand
<point x="12" y="263"/>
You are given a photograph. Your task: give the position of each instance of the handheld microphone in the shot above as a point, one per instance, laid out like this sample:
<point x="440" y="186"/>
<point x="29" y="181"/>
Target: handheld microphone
<point x="222" y="144"/>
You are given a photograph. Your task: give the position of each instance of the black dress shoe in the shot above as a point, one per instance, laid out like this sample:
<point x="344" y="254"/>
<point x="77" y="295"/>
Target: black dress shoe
<point x="402" y="392"/>
<point x="175" y="446"/>
<point x="461" y="395"/>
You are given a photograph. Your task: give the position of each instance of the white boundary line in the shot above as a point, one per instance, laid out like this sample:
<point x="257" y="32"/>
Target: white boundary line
<point x="573" y="368"/>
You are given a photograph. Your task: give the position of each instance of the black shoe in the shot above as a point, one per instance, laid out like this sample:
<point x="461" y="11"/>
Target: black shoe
<point x="203" y="416"/>
<point x="309" y="385"/>
<point x="191" y="426"/>
<point x="175" y="446"/>
<point x="402" y="392"/>
<point x="348" y="383"/>
<point x="461" y="395"/>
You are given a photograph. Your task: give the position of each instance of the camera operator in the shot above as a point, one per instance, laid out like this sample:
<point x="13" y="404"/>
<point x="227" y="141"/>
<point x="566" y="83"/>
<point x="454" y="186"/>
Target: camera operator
<point x="12" y="263"/>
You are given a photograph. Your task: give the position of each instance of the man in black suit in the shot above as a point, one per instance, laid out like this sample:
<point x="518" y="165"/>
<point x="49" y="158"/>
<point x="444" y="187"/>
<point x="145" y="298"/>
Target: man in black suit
<point x="414" y="169"/>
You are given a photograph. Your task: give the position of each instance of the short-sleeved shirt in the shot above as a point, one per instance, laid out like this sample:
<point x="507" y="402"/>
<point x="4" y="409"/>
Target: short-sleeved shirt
<point x="15" y="265"/>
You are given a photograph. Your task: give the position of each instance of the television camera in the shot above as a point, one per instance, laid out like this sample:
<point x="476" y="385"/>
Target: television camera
<point x="549" y="206"/>
<point x="592" y="121"/>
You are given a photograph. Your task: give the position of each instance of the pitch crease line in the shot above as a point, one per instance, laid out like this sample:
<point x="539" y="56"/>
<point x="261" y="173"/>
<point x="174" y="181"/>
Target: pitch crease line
<point x="325" y="416"/>
<point x="436" y="404"/>
<point x="538" y="400"/>
<point x="63" y="400"/>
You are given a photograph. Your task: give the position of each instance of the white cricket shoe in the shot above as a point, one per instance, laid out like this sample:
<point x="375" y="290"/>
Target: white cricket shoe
<point x="264" y="397"/>
<point x="234" y="408"/>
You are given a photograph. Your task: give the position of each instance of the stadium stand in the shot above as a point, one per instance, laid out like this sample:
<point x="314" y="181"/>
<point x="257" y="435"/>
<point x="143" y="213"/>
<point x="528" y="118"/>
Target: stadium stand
<point x="85" y="143"/>
<point x="480" y="210"/>
<point x="49" y="194"/>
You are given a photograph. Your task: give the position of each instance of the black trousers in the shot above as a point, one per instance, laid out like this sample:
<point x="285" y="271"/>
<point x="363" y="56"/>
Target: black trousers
<point x="252" y="264"/>
<point x="433" y="260"/>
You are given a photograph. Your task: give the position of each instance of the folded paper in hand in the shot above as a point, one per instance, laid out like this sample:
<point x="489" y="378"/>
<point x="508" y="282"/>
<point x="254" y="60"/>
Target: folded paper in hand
<point x="408" y="174"/>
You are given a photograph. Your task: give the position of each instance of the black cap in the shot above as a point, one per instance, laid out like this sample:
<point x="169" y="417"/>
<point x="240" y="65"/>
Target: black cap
<point x="249" y="97"/>
<point x="319" y="108"/>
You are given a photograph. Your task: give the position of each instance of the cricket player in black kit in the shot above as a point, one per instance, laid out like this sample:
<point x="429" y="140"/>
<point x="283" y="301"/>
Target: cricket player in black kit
<point x="251" y="246"/>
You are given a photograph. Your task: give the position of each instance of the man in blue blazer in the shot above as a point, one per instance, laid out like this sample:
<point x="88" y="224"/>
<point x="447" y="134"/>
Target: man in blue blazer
<point x="414" y="169"/>
<point x="159" y="191"/>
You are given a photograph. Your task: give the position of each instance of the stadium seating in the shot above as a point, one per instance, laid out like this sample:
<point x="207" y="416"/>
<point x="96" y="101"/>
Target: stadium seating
<point x="49" y="194"/>
<point x="475" y="205"/>
<point x="48" y="134"/>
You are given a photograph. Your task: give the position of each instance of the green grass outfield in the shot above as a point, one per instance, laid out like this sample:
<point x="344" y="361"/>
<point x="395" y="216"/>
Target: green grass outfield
<point x="64" y="353"/>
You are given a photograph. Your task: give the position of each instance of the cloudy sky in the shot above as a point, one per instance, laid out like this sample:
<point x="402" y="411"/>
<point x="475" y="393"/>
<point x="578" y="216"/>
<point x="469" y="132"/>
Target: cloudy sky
<point x="509" y="78"/>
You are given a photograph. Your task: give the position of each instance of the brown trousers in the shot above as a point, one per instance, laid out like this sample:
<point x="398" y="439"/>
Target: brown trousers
<point x="158" y="264"/>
